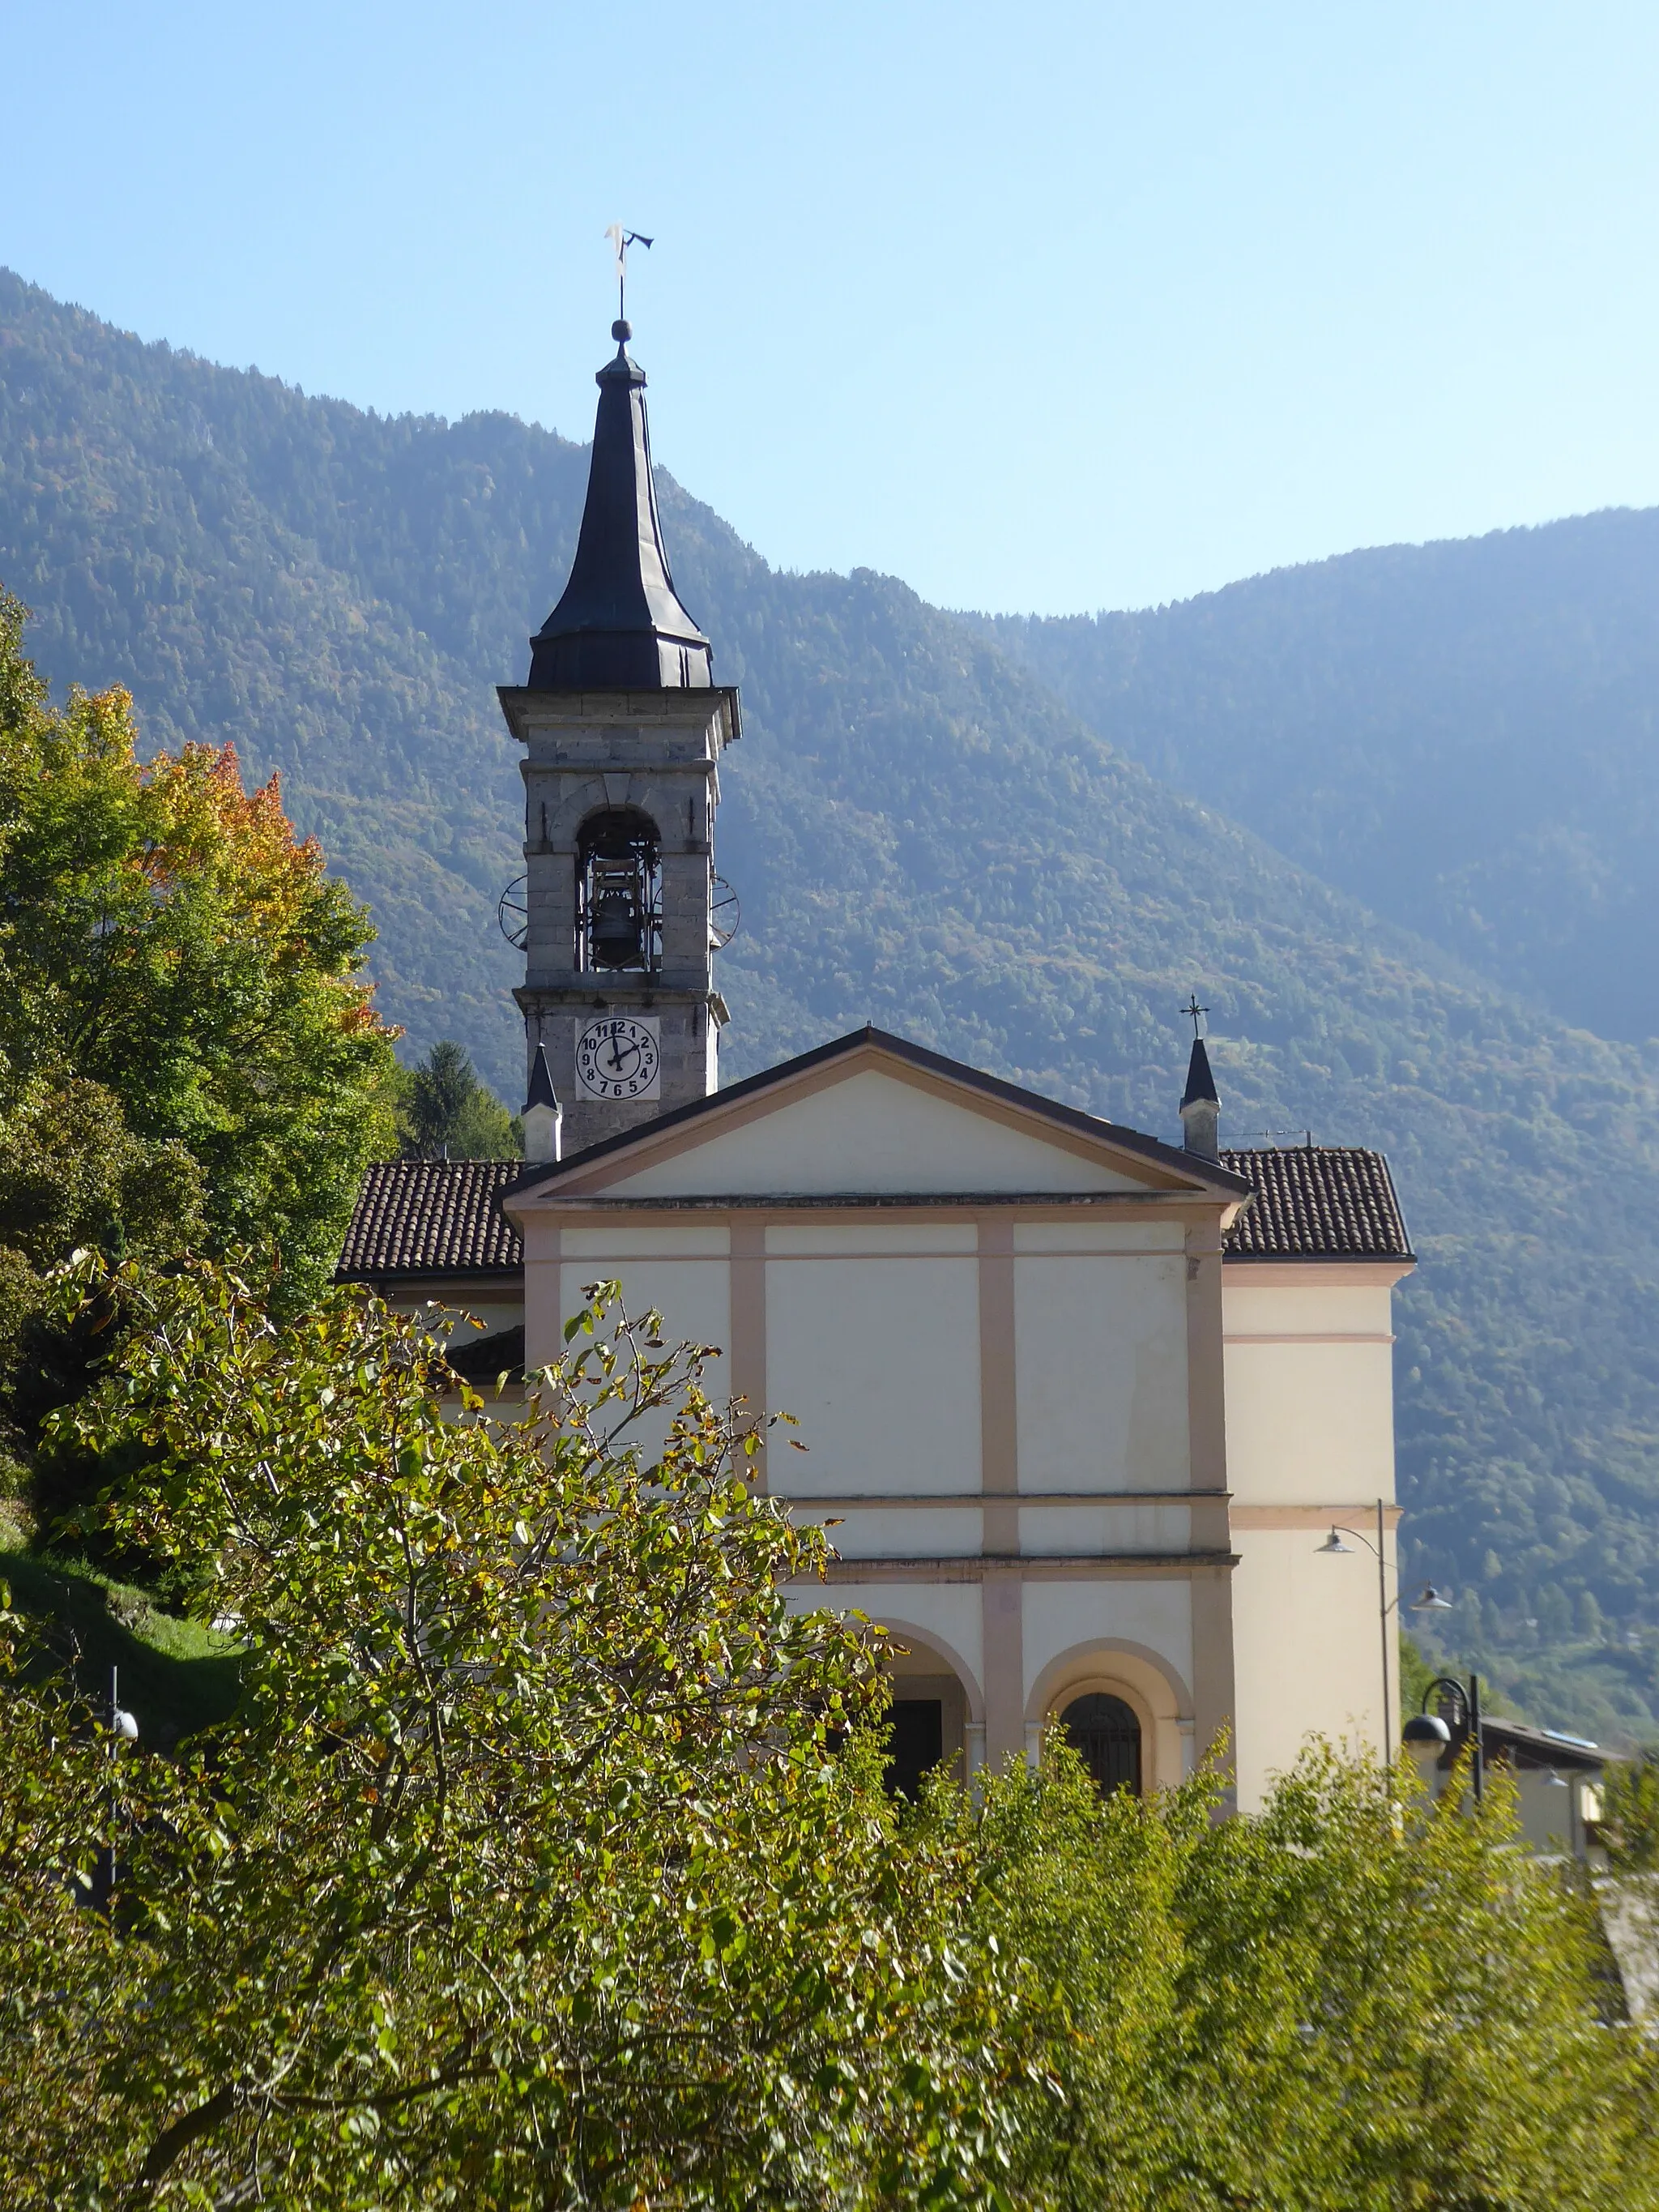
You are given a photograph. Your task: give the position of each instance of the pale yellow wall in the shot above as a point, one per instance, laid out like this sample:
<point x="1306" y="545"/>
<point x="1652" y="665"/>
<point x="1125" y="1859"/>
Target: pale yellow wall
<point x="496" y="1314"/>
<point x="872" y="1131"/>
<point x="1100" y="1372"/>
<point x="1099" y="1234"/>
<point x="879" y="1362"/>
<point x="674" y="1240"/>
<point x="1549" y="1814"/>
<point x="1077" y="1622"/>
<point x="1056" y="1530"/>
<point x="1309" y="1375"/>
<point x="1132" y="1638"/>
<point x="694" y="1298"/>
<point x="927" y="1532"/>
<point x="1308" y="1298"/>
<point x="871" y="1240"/>
<point x="1310" y="1378"/>
<point x="1307" y="1656"/>
<point x="948" y="1614"/>
<point x="1552" y="1815"/>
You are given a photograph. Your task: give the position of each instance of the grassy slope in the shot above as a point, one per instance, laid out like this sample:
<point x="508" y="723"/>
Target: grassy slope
<point x="920" y="833"/>
<point x="175" y="1675"/>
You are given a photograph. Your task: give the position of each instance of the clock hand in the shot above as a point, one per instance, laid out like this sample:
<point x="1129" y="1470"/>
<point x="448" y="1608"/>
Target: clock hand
<point x="615" y="1054"/>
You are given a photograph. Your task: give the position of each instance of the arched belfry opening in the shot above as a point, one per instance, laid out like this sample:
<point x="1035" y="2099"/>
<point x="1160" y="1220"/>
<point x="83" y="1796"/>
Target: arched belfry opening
<point x="619" y="894"/>
<point x="1105" y="1733"/>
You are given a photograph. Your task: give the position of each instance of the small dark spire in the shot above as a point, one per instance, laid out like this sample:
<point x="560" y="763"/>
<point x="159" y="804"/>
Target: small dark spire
<point x="542" y="1118"/>
<point x="1200" y="1084"/>
<point x="541" y="1092"/>
<point x="1200" y="1107"/>
<point x="620" y="625"/>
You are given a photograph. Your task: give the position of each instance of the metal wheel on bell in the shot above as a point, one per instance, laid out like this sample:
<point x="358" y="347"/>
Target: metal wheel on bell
<point x="512" y="913"/>
<point x="724" y="914"/>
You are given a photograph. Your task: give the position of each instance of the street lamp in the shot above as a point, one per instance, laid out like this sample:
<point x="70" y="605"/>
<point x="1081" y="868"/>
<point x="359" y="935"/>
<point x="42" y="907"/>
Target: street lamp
<point x="1430" y="1599"/>
<point x="122" y="1728"/>
<point x="1427" y="1733"/>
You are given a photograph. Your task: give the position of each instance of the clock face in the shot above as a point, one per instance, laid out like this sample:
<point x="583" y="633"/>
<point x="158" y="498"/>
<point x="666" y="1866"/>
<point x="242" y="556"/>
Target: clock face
<point x="617" y="1057"/>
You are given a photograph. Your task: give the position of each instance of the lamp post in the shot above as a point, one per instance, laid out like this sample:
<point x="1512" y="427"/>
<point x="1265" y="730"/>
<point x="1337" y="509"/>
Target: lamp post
<point x="1429" y="1728"/>
<point x="1430" y="1601"/>
<point x="122" y="1728"/>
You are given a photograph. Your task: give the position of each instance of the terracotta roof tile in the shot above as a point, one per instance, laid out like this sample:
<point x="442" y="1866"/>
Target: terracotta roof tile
<point x="1317" y="1202"/>
<point x="432" y="1218"/>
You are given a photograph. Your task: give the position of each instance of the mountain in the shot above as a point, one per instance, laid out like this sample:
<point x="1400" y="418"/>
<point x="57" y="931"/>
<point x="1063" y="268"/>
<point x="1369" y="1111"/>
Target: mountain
<point x="923" y="833"/>
<point x="1465" y="736"/>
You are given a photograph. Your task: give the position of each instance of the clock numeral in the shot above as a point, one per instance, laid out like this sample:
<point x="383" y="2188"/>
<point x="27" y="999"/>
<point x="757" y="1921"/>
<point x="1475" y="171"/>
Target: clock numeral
<point x="616" y="1057"/>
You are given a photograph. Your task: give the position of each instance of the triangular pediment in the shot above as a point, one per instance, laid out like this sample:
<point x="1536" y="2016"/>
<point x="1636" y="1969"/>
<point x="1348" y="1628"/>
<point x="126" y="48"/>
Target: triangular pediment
<point x="873" y="1116"/>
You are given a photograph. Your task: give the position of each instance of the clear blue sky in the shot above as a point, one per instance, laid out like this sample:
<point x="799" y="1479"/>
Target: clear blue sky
<point x="1050" y="306"/>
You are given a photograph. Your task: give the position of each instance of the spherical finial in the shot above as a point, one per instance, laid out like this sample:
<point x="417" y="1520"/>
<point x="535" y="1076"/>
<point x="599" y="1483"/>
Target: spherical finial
<point x="622" y="331"/>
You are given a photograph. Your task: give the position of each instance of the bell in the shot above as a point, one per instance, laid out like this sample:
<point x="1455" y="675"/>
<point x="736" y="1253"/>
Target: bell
<point x="615" y="936"/>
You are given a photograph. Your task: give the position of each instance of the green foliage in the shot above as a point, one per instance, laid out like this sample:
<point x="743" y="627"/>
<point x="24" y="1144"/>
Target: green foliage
<point x="73" y="1174"/>
<point x="1630" y="1806"/>
<point x="524" y="1873"/>
<point x="1415" y="1676"/>
<point x="1345" y="2002"/>
<point x="176" y="1672"/>
<point x="172" y="961"/>
<point x="924" y="834"/>
<point x="445" y="1112"/>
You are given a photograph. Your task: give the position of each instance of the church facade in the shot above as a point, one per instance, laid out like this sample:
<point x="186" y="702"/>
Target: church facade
<point x="1080" y="1406"/>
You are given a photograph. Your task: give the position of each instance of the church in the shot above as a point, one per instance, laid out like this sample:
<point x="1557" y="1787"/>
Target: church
<point x="1084" y="1407"/>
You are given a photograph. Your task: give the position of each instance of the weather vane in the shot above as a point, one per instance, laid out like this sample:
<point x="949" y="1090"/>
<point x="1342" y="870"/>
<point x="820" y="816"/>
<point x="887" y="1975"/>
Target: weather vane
<point x="620" y="240"/>
<point x="1194" y="1013"/>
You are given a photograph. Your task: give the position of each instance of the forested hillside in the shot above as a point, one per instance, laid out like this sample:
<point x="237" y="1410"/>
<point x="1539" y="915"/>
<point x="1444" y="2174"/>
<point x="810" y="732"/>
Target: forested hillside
<point x="923" y="833"/>
<point x="1466" y="736"/>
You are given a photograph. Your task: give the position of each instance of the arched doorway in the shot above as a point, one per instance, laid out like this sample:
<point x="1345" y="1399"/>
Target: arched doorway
<point x="931" y="1722"/>
<point x="1105" y="1733"/>
<point x="915" y="1743"/>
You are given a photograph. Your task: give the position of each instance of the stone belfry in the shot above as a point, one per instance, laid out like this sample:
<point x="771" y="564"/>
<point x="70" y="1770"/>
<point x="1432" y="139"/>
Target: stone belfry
<point x="622" y="726"/>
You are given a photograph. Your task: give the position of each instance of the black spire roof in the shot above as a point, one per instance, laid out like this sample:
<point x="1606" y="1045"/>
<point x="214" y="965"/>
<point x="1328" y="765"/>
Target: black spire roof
<point x="1200" y="1084"/>
<point x="620" y="626"/>
<point x="541" y="1092"/>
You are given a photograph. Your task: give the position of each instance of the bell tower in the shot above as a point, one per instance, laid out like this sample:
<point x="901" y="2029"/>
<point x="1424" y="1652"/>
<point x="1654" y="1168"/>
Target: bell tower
<point x="624" y="727"/>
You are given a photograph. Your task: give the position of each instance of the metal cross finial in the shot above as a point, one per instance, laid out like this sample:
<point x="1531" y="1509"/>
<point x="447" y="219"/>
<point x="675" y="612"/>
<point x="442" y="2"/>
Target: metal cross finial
<point x="1194" y="1013"/>
<point x="620" y="240"/>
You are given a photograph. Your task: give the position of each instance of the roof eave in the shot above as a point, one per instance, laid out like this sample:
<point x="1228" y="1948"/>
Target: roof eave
<point x="1216" y="1182"/>
<point x="516" y="699"/>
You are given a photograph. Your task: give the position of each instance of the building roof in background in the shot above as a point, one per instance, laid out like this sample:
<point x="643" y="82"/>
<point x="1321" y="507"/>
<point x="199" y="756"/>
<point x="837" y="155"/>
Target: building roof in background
<point x="1317" y="1202"/>
<point x="420" y="1217"/>
<point x="423" y="1218"/>
<point x="1523" y="1745"/>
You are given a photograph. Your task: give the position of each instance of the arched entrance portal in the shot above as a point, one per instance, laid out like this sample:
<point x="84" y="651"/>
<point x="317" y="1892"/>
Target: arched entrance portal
<point x="915" y="1742"/>
<point x="1106" y="1736"/>
<point x="931" y="1721"/>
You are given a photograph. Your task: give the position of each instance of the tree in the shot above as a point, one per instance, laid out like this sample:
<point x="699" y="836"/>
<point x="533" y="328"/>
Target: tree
<point x="529" y="1872"/>
<point x="1354" y="2000"/>
<point x="445" y="1110"/>
<point x="526" y="1873"/>
<point x="1630" y="1822"/>
<point x="72" y="1174"/>
<point x="164" y="935"/>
